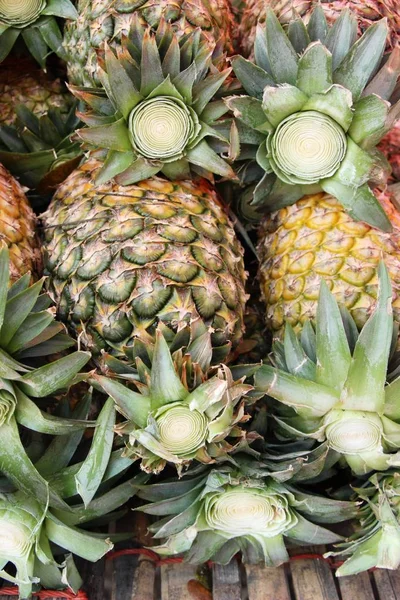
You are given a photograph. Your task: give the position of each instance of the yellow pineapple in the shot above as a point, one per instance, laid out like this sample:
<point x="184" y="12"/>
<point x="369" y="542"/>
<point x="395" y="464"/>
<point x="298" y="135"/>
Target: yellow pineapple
<point x="316" y="239"/>
<point x="17" y="228"/>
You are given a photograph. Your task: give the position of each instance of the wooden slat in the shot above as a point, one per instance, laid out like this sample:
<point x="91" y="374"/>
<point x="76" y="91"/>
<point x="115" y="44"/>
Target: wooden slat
<point x="143" y="581"/>
<point x="122" y="577"/>
<point x="313" y="580"/>
<point x="174" y="581"/>
<point x="388" y="587"/>
<point x="144" y="577"/>
<point x="135" y="578"/>
<point x="93" y="577"/>
<point x="267" y="583"/>
<point x="226" y="582"/>
<point x="356" y="586"/>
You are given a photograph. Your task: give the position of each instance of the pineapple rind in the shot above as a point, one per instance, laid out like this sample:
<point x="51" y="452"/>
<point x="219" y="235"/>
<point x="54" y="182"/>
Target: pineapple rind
<point x="123" y="258"/>
<point x="316" y="239"/>
<point x="35" y="91"/>
<point x="17" y="228"/>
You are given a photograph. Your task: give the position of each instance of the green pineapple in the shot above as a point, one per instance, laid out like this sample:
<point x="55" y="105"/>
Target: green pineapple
<point x="125" y="253"/>
<point x="122" y="259"/>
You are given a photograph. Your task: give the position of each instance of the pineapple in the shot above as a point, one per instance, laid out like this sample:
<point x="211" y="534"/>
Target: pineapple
<point x="315" y="112"/>
<point x="102" y="21"/>
<point x="17" y="228"/>
<point x="366" y="12"/>
<point x="126" y="249"/>
<point x="121" y="259"/>
<point x="316" y="239"/>
<point x="32" y="88"/>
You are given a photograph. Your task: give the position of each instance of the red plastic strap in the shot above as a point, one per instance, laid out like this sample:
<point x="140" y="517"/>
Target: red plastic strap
<point x="12" y="590"/>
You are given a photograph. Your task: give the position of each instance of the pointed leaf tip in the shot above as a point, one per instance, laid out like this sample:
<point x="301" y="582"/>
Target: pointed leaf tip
<point x="165" y="385"/>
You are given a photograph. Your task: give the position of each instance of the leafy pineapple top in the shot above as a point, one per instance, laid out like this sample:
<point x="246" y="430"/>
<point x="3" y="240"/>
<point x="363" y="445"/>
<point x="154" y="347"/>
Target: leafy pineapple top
<point x="335" y="382"/>
<point x="156" y="113"/>
<point x="32" y="534"/>
<point x="36" y="21"/>
<point x="376" y="542"/>
<point x="184" y="412"/>
<point x="39" y="150"/>
<point x="212" y="514"/>
<point x="28" y="335"/>
<point x="318" y="103"/>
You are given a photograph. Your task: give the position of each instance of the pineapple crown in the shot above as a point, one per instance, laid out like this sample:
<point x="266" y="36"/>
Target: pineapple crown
<point x="28" y="336"/>
<point x="182" y="411"/>
<point x="334" y="383"/>
<point x="224" y="511"/>
<point x="29" y="529"/>
<point x="318" y="103"/>
<point x="36" y="21"/>
<point x="39" y="150"/>
<point x="376" y="543"/>
<point x="156" y="113"/>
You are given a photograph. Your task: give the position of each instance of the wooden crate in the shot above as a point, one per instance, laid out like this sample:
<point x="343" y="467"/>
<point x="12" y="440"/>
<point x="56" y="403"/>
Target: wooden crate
<point x="120" y="576"/>
<point x="132" y="577"/>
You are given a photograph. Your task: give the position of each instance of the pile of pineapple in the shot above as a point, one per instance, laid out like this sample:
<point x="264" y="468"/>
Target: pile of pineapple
<point x="199" y="281"/>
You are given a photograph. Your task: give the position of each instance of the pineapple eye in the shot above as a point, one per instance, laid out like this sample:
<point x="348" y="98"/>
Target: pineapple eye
<point x="161" y="128"/>
<point x="306" y="147"/>
<point x="20" y="13"/>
